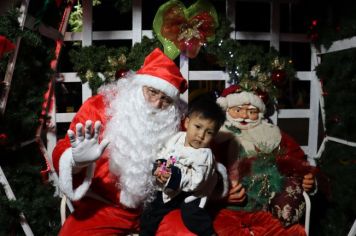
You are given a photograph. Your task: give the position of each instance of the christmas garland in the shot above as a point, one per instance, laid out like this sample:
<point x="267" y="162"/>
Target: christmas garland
<point x="100" y="65"/>
<point x="239" y="61"/>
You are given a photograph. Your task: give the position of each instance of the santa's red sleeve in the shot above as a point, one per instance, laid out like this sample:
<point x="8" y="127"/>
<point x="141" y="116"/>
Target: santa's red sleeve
<point x="291" y="148"/>
<point x="293" y="161"/>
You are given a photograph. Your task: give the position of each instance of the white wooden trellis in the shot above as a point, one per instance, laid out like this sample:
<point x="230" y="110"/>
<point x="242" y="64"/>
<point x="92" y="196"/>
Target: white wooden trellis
<point x="274" y="37"/>
<point x="87" y="36"/>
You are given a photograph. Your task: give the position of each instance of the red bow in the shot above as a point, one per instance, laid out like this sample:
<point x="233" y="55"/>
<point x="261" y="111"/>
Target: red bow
<point x="187" y="35"/>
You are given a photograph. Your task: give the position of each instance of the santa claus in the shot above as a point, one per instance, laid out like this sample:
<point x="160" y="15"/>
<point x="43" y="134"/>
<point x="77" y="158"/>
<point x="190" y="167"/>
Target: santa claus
<point x="104" y="162"/>
<point x="249" y="140"/>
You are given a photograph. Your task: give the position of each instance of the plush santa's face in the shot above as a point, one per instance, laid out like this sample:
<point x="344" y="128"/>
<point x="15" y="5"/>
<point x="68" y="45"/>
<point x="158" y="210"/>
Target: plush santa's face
<point x="136" y="129"/>
<point x="244" y="116"/>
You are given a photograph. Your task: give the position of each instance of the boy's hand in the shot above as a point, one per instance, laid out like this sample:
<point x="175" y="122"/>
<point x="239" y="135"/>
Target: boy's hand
<point x="162" y="176"/>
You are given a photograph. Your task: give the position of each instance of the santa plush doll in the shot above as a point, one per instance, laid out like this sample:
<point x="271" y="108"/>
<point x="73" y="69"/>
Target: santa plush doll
<point x="268" y="163"/>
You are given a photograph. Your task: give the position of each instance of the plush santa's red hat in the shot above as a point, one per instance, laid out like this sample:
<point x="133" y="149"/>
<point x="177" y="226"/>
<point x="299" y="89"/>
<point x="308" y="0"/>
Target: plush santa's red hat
<point x="235" y="96"/>
<point x="160" y="72"/>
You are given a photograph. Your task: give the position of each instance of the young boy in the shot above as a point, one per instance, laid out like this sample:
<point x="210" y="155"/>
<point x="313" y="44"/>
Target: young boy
<point x="186" y="171"/>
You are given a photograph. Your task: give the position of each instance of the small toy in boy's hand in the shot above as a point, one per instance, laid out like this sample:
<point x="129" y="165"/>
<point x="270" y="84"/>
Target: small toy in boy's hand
<point x="165" y="166"/>
<point x="171" y="161"/>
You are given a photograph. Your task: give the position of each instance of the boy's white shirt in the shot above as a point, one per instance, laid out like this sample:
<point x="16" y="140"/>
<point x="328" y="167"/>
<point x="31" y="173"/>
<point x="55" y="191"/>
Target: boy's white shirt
<point x="197" y="167"/>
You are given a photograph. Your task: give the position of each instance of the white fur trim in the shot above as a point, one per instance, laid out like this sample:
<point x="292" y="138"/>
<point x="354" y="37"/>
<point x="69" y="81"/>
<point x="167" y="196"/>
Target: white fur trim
<point x="222" y="101"/>
<point x="66" y="164"/>
<point x="265" y="136"/>
<point x="157" y="83"/>
<point x="243" y="98"/>
<point x="223" y="172"/>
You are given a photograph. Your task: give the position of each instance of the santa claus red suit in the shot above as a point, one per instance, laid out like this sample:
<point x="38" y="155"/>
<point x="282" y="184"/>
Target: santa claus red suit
<point x="109" y="192"/>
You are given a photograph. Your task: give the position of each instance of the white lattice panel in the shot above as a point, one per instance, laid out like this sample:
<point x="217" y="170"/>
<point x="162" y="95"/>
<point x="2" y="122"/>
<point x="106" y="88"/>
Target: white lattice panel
<point x="274" y="37"/>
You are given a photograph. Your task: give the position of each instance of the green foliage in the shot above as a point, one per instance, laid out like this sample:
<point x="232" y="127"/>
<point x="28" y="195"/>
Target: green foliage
<point x="239" y="61"/>
<point x="22" y="164"/>
<point x="337" y="213"/>
<point x="338" y="73"/>
<point x="29" y="83"/>
<point x="140" y="51"/>
<point x="9" y="25"/>
<point x="338" y="163"/>
<point x="33" y="197"/>
<point x="99" y="64"/>
<point x="263" y="181"/>
<point x="76" y="18"/>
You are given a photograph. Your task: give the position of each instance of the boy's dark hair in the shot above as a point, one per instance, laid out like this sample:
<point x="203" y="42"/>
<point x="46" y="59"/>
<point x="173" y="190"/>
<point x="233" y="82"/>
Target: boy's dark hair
<point x="208" y="109"/>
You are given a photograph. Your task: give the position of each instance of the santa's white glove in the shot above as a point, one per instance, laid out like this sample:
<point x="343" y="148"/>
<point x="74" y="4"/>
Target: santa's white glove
<point x="85" y="145"/>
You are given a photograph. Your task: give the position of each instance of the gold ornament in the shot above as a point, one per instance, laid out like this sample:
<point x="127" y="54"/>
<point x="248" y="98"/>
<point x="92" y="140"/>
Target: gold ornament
<point x="277" y="64"/>
<point x="122" y="59"/>
<point x="89" y="75"/>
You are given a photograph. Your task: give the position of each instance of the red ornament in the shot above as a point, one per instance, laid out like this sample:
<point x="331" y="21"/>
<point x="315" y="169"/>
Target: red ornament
<point x="314" y="23"/>
<point x="5" y="46"/>
<point x="190" y="47"/>
<point x="263" y="95"/>
<point x="279" y="77"/>
<point x="336" y="119"/>
<point x="3" y="139"/>
<point x="120" y="73"/>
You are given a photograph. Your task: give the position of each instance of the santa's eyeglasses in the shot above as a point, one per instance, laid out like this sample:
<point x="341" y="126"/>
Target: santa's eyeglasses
<point x="153" y="95"/>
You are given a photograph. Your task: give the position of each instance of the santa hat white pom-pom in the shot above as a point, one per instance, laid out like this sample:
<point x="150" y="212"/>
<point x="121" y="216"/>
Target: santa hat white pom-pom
<point x="222" y="101"/>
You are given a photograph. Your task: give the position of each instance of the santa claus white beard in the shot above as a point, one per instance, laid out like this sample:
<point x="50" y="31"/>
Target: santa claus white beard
<point x="136" y="131"/>
<point x="249" y="124"/>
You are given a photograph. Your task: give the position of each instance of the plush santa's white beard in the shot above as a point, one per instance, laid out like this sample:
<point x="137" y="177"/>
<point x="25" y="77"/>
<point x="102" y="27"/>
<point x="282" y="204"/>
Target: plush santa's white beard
<point x="250" y="123"/>
<point x="135" y="131"/>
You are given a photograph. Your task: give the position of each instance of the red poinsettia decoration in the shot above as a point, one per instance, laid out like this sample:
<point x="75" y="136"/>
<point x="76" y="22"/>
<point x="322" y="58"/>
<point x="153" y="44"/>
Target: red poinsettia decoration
<point x="187" y="35"/>
<point x="5" y="46"/>
<point x="185" y="30"/>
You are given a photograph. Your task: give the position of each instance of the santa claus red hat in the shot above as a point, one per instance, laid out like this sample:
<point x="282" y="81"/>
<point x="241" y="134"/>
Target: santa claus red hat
<point x="235" y="96"/>
<point x="160" y="72"/>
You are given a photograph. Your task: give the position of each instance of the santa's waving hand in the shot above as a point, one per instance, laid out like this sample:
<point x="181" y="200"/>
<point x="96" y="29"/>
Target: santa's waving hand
<point x="86" y="148"/>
